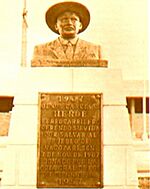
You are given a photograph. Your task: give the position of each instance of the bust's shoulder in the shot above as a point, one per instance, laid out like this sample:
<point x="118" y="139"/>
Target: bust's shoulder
<point x="47" y="44"/>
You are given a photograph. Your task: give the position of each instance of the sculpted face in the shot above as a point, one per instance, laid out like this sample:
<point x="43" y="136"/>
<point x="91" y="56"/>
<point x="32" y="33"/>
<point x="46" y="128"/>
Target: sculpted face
<point x="68" y="25"/>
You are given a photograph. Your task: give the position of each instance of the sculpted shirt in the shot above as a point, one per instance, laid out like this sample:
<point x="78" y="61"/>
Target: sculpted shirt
<point x="82" y="50"/>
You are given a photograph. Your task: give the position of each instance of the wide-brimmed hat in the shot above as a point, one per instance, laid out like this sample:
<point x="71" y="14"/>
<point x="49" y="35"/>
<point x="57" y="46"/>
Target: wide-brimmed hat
<point x="56" y="10"/>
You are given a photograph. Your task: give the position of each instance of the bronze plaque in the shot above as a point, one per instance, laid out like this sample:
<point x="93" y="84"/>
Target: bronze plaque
<point x="70" y="141"/>
<point x="45" y="62"/>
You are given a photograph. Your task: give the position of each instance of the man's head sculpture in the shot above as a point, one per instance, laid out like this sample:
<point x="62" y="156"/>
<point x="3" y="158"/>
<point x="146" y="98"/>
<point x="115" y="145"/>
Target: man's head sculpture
<point x="58" y="9"/>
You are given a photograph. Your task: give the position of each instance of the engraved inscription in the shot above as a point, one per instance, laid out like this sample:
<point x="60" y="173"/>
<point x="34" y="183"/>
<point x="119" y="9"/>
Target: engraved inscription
<point x="46" y="62"/>
<point x="69" y="141"/>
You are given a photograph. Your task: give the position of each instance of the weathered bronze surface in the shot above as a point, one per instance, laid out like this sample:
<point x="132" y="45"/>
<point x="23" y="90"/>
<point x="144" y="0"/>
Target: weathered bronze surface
<point x="70" y="141"/>
<point x="42" y="62"/>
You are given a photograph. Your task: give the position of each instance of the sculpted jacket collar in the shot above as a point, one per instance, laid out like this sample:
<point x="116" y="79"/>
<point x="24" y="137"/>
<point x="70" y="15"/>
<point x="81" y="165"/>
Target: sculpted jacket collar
<point x="79" y="52"/>
<point x="65" y="41"/>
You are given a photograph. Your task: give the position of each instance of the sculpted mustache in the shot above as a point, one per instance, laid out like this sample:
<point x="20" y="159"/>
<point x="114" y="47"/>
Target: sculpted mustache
<point x="69" y="26"/>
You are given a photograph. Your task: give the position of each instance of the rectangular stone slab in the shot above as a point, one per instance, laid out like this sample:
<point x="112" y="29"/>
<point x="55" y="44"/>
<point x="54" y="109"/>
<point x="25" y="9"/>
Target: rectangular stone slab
<point x="43" y="62"/>
<point x="70" y="150"/>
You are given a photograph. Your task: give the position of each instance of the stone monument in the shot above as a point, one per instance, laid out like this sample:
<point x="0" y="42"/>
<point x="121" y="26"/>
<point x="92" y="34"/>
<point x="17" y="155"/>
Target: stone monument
<point x="69" y="126"/>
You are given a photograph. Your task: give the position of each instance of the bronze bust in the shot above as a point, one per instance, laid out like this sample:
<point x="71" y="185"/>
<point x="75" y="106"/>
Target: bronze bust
<point x="67" y="19"/>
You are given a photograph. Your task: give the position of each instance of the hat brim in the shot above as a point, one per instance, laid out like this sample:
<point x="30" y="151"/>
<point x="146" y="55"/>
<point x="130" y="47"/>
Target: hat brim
<point x="56" y="10"/>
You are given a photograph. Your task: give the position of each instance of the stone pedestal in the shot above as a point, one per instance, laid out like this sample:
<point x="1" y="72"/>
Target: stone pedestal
<point x="21" y="154"/>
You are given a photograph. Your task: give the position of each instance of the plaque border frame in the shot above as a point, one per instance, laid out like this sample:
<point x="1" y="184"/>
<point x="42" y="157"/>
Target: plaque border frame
<point x="99" y="185"/>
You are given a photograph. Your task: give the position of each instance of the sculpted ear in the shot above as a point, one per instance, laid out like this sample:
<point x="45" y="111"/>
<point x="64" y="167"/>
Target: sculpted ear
<point x="56" y="27"/>
<point x="80" y="27"/>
